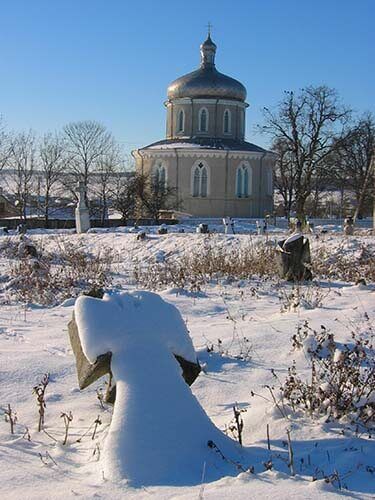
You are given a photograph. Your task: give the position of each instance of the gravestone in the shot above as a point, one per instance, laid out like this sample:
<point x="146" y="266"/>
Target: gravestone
<point x="294" y="259"/>
<point x="90" y="372"/>
<point x="141" y="235"/>
<point x="228" y="223"/>
<point x="82" y="212"/>
<point x="159" y="434"/>
<point x="202" y="229"/>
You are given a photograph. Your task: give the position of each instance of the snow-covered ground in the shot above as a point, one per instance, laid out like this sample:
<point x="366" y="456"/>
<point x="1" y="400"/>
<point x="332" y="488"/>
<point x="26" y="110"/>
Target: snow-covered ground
<point x="239" y="333"/>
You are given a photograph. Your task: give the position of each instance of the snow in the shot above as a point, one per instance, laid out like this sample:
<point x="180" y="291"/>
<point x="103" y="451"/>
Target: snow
<point x="34" y="341"/>
<point x="293" y="237"/>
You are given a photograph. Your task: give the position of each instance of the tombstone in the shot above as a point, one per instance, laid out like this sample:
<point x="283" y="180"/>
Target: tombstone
<point x="162" y="229"/>
<point x="90" y="372"/>
<point x="202" y="229"/>
<point x="349" y="226"/>
<point x="228" y="225"/>
<point x="294" y="258"/>
<point x="158" y="429"/>
<point x="141" y="235"/>
<point x="82" y="212"/>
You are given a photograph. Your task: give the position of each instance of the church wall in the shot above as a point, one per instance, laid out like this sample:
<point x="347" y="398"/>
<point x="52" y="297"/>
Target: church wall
<point x="216" y="109"/>
<point x="221" y="199"/>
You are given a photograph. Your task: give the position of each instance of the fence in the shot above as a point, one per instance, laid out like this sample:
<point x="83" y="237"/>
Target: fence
<point x="35" y="223"/>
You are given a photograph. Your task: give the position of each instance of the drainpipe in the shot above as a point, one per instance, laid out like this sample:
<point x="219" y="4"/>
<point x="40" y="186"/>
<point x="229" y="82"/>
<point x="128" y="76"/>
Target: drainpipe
<point x="226" y="183"/>
<point x="172" y="117"/>
<point x="177" y="179"/>
<point x="261" y="179"/>
<point x="192" y="118"/>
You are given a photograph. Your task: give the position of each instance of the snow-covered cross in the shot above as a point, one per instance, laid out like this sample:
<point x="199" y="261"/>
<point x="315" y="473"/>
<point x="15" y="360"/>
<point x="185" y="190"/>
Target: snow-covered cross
<point x="159" y="432"/>
<point x="89" y="372"/>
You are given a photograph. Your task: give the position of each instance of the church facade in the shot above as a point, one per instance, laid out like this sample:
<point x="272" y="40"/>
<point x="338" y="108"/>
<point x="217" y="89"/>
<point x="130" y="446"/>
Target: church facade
<point x="214" y="172"/>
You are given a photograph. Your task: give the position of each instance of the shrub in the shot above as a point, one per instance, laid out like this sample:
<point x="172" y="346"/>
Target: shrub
<point x="342" y="377"/>
<point x="58" y="275"/>
<point x="207" y="263"/>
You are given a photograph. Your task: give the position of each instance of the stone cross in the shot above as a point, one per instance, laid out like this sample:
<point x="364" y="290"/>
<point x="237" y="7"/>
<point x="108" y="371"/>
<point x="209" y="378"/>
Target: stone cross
<point x="228" y="223"/>
<point x="144" y="341"/>
<point x="82" y="212"/>
<point x="88" y="372"/>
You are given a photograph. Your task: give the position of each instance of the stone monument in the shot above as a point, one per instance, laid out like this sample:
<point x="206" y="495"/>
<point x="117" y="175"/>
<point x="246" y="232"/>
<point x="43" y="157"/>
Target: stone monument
<point x="228" y="223"/>
<point x="82" y="212"/>
<point x="294" y="259"/>
<point x="158" y="429"/>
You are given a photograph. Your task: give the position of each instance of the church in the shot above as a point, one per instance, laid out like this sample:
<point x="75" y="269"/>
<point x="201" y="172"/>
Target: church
<point x="213" y="171"/>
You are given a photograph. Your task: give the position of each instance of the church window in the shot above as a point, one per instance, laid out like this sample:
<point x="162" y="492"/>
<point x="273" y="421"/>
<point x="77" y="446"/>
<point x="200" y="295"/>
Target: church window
<point x="203" y="120"/>
<point x="243" y="181"/>
<point x="227" y="122"/>
<point x="200" y="181"/>
<point x="181" y="121"/>
<point x="160" y="176"/>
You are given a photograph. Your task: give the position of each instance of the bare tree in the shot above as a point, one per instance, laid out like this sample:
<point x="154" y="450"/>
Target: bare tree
<point x="154" y="196"/>
<point x="310" y="124"/>
<point x="5" y="145"/>
<point x="105" y="176"/>
<point x="51" y="167"/>
<point x="354" y="156"/>
<point x="22" y="162"/>
<point x="284" y="174"/>
<point x="124" y="195"/>
<point x="87" y="143"/>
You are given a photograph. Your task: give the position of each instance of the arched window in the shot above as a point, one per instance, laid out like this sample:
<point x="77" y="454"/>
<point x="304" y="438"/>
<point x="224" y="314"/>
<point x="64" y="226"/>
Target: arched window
<point x="160" y="176"/>
<point x="181" y="121"/>
<point x="243" y="181"/>
<point x="227" y="122"/>
<point x="203" y="120"/>
<point x="200" y="181"/>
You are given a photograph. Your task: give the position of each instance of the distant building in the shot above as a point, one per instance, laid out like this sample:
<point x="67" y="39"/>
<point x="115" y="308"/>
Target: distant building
<point x="205" y="157"/>
<point x="7" y="209"/>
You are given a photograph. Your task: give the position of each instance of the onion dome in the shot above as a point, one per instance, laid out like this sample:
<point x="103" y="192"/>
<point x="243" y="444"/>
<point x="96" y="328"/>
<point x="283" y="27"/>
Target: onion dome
<point x="207" y="82"/>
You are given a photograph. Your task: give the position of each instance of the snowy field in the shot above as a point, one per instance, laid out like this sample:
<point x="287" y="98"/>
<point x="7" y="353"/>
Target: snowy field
<point x="242" y="331"/>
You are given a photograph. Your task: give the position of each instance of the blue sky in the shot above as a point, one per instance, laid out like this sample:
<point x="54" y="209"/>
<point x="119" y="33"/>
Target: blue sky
<point x="112" y="60"/>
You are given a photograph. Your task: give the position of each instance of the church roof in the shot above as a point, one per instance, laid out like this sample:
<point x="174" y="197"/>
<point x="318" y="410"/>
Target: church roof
<point x="207" y="81"/>
<point x="206" y="143"/>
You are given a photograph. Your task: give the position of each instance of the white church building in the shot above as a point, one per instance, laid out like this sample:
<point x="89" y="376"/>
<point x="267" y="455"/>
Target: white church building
<point x="204" y="157"/>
